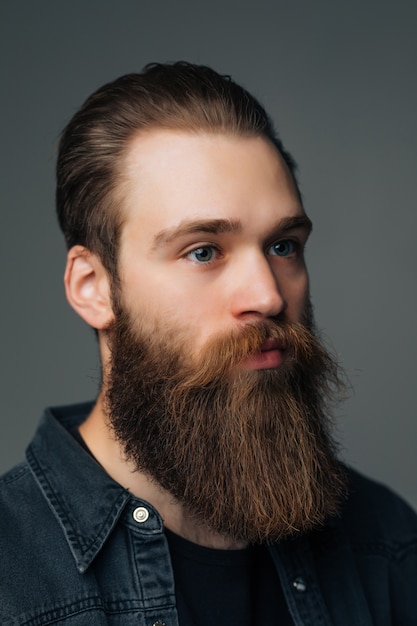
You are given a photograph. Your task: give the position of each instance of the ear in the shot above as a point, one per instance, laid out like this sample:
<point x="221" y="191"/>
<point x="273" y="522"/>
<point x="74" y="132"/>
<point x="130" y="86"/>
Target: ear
<point x="87" y="287"/>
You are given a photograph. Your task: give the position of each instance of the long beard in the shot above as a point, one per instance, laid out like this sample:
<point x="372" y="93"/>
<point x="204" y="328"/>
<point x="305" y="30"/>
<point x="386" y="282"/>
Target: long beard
<point x="248" y="454"/>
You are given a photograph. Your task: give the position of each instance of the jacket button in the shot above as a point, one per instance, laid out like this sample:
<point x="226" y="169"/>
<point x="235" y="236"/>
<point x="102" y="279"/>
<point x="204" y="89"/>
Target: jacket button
<point x="159" y="623"/>
<point x="300" y="585"/>
<point x="140" y="515"/>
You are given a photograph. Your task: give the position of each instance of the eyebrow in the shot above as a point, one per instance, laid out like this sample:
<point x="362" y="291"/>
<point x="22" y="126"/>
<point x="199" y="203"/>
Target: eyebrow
<point x="218" y="226"/>
<point x="291" y="223"/>
<point x="190" y="227"/>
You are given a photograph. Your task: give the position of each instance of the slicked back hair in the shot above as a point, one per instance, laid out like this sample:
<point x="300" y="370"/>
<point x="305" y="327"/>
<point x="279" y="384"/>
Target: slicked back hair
<point x="179" y="96"/>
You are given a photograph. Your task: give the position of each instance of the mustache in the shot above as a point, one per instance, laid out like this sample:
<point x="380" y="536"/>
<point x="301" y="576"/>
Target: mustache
<point x="222" y="354"/>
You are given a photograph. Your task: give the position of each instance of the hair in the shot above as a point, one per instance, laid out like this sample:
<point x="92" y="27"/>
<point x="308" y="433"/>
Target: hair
<point x="179" y="96"/>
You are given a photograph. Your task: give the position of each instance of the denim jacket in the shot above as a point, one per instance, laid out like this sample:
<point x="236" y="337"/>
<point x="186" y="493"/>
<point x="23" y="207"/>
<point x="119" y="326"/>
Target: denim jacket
<point x="77" y="549"/>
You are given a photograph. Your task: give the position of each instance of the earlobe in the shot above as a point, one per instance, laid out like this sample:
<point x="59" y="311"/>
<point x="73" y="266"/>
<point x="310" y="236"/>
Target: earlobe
<point x="87" y="287"/>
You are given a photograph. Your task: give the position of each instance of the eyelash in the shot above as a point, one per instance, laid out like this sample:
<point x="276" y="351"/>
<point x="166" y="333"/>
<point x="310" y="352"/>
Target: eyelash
<point x="295" y="250"/>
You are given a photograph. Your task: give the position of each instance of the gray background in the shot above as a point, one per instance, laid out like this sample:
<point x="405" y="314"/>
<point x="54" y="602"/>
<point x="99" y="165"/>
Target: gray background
<point x="339" y="78"/>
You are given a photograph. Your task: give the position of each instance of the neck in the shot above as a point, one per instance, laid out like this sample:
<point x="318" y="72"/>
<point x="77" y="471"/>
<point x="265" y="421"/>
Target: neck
<point x="108" y="452"/>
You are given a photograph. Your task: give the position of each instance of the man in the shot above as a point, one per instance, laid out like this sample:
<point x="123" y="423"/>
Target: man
<point x="203" y="486"/>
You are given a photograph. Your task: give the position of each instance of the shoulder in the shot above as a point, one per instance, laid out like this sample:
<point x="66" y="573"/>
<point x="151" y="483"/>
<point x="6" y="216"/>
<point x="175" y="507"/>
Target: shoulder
<point x="15" y="485"/>
<point x="21" y="506"/>
<point x="375" y="518"/>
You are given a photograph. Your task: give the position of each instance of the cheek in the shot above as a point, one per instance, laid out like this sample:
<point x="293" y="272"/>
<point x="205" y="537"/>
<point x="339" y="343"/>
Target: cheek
<point x="166" y="302"/>
<point x="298" y="294"/>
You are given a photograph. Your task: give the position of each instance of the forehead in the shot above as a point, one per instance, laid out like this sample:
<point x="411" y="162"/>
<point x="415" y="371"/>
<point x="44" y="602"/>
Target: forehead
<point x="171" y="176"/>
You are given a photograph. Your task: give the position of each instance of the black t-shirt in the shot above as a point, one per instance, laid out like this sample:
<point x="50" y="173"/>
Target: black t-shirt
<point x="226" y="587"/>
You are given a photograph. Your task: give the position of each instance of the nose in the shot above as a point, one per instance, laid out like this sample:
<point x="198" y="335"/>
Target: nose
<point x="256" y="290"/>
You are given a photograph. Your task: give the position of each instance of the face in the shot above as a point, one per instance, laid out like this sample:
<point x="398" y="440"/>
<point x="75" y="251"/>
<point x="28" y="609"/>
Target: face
<point x="213" y="237"/>
<point x="214" y="387"/>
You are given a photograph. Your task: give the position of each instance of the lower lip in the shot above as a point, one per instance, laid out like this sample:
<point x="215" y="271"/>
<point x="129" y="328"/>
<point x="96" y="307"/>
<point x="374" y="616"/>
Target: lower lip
<point x="266" y="360"/>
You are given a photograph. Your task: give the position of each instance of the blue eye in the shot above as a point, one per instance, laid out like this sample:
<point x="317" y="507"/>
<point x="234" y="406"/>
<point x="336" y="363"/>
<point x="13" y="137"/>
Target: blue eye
<point x="283" y="248"/>
<point x="204" y="254"/>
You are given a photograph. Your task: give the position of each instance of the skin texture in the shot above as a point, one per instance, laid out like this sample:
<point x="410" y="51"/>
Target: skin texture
<point x="212" y="240"/>
<point x="173" y="177"/>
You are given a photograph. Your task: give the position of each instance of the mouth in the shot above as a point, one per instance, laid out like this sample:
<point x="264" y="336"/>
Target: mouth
<point x="271" y="356"/>
<point x="270" y="344"/>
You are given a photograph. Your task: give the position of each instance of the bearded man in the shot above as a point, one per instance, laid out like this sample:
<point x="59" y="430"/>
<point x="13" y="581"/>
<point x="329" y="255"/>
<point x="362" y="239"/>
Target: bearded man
<point x="203" y="486"/>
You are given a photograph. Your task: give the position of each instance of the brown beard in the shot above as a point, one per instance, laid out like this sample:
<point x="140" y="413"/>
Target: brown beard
<point x="247" y="453"/>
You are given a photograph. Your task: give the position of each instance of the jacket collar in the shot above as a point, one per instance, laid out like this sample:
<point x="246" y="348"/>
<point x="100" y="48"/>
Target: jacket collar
<point x="84" y="499"/>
